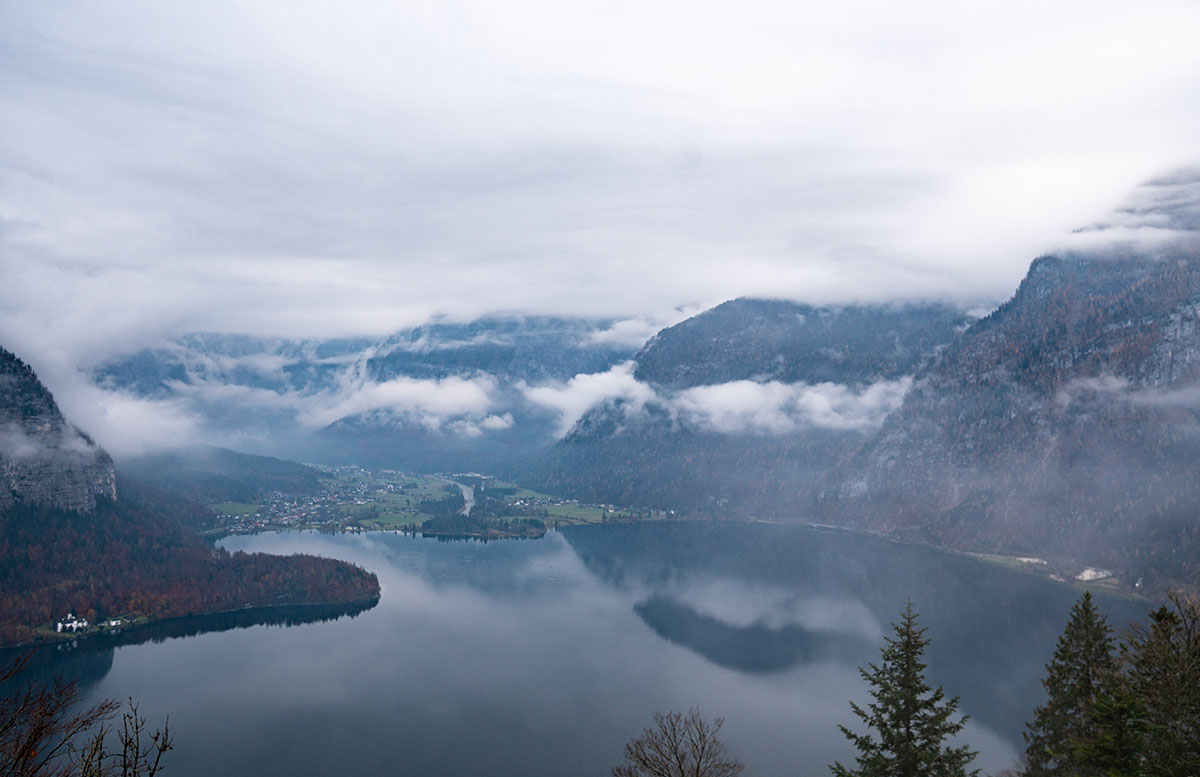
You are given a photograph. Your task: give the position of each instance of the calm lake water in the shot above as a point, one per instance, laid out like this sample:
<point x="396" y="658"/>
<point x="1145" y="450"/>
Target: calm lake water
<point x="542" y="657"/>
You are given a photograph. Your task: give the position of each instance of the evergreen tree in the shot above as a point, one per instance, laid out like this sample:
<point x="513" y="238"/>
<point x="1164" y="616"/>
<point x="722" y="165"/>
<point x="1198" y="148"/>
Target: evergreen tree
<point x="1163" y="670"/>
<point x="1118" y="743"/>
<point x="1064" y="734"/>
<point x="910" y="721"/>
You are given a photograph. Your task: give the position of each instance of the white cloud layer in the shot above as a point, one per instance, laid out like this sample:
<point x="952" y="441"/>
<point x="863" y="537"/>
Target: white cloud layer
<point x="308" y="169"/>
<point x="778" y="408"/>
<point x="430" y="401"/>
<point x="126" y="425"/>
<point x="583" y="392"/>
<point x="297" y="166"/>
<point x="737" y="407"/>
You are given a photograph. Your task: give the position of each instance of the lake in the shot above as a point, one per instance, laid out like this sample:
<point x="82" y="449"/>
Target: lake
<point x="543" y="657"/>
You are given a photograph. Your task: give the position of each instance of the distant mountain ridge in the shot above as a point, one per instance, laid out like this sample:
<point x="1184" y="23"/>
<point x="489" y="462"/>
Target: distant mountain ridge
<point x="534" y="349"/>
<point x="765" y="339"/>
<point x="529" y="348"/>
<point x="361" y="399"/>
<point x="44" y="460"/>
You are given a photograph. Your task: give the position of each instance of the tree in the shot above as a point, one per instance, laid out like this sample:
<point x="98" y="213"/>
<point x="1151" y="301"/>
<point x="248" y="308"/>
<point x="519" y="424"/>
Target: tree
<point x="910" y="720"/>
<point x="1066" y="733"/>
<point x="45" y="733"/>
<point x="1163" y="673"/>
<point x="679" y="745"/>
<point x="1118" y="742"/>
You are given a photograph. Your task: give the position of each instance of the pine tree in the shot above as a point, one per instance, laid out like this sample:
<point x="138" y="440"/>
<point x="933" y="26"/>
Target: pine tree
<point x="910" y="721"/>
<point x="1163" y="671"/>
<point x="1065" y="731"/>
<point x="1118" y="744"/>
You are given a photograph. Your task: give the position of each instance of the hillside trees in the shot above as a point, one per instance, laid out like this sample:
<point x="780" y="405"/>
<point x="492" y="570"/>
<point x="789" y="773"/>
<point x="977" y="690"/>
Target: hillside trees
<point x="127" y="559"/>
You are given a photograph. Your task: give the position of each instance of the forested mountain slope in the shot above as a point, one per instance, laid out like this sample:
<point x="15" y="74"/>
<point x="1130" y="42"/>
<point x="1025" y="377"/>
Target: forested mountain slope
<point x="75" y="539"/>
<point x="749" y="403"/>
<point x="764" y="340"/>
<point x="1066" y="423"/>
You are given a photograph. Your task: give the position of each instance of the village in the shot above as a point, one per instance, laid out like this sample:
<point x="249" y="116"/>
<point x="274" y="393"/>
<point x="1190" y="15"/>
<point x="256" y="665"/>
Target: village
<point x="75" y="624"/>
<point x="354" y="498"/>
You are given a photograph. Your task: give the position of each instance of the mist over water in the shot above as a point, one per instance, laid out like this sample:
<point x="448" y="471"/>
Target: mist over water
<point x="542" y="657"/>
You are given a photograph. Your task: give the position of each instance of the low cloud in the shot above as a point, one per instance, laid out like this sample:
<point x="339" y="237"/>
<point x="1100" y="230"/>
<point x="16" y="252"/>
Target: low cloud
<point x="17" y="443"/>
<point x="431" y="402"/>
<point x="126" y="425"/>
<point x="462" y="405"/>
<point x="634" y="332"/>
<point x="1121" y="389"/>
<point x="737" y="407"/>
<point x="1185" y="397"/>
<point x="584" y="391"/>
<point x="1160" y="216"/>
<point x="497" y="423"/>
<point x="1098" y="384"/>
<point x="778" y="408"/>
<point x="469" y="428"/>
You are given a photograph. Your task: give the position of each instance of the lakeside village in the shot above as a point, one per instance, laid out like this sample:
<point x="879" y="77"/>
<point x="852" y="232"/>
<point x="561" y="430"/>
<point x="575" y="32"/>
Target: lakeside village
<point x="467" y="505"/>
<point x="75" y="625"/>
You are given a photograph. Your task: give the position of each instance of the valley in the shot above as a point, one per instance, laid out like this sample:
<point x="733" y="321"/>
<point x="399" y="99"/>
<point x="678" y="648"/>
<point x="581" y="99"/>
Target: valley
<point x="464" y="388"/>
<point x="355" y="498"/>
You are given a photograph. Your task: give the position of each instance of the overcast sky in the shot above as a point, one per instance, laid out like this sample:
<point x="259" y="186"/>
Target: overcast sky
<point x="305" y="168"/>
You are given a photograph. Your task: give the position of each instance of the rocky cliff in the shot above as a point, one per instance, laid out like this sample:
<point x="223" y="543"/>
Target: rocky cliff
<point x="1065" y="423"/>
<point x="44" y="460"/>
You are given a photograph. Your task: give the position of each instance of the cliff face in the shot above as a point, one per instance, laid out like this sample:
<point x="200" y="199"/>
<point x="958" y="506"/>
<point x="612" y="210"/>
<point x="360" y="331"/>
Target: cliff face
<point x="44" y="460"/>
<point x="1066" y="422"/>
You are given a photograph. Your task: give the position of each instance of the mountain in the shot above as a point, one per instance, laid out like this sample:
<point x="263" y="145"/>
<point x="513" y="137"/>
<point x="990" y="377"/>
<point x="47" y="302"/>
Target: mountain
<point x="77" y="538"/>
<point x="744" y="406"/>
<point x="532" y="349"/>
<point x="45" y="461"/>
<point x="208" y="474"/>
<point x="446" y="395"/>
<point x="1066" y="423"/>
<point x="764" y="340"/>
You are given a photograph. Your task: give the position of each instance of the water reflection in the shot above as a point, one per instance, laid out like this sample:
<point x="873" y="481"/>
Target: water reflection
<point x="992" y="628"/>
<point x="87" y="660"/>
<point x="756" y="647"/>
<point x="544" y="657"/>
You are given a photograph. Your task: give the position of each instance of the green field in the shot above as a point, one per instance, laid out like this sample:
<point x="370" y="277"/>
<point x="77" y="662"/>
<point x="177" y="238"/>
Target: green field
<point x="382" y="508"/>
<point x="235" y="508"/>
<point x="382" y="499"/>
<point x="575" y="513"/>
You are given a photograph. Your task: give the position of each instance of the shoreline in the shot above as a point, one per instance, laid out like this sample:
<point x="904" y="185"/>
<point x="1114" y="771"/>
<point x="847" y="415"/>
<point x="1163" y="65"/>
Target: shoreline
<point x="130" y="629"/>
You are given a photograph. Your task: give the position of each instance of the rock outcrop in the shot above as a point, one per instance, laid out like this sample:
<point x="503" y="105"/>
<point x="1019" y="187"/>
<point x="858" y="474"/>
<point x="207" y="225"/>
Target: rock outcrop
<point x="44" y="460"/>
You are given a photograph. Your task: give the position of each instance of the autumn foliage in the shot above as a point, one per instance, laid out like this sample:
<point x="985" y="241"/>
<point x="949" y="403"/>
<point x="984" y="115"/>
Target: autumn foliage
<point x="126" y="559"/>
